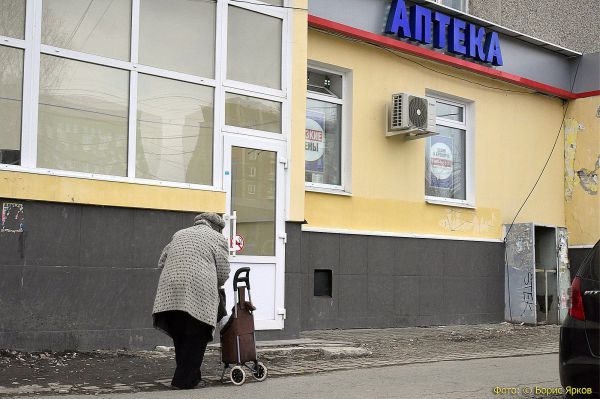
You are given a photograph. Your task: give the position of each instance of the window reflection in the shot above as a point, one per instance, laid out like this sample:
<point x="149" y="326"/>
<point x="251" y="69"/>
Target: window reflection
<point x="179" y="35"/>
<point x="252" y="113"/>
<point x="12" y="18"/>
<point x="254" y="48"/>
<point x="253" y="197"/>
<point x="82" y="121"/>
<point x="100" y="27"/>
<point x="174" y="131"/>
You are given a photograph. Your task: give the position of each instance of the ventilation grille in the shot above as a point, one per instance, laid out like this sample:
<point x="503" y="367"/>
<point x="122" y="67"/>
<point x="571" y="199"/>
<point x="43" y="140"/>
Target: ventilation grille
<point x="417" y="112"/>
<point x="397" y="111"/>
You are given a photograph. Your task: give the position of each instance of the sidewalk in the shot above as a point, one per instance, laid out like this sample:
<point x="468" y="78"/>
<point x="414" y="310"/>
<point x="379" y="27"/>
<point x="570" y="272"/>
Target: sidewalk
<point x="317" y="351"/>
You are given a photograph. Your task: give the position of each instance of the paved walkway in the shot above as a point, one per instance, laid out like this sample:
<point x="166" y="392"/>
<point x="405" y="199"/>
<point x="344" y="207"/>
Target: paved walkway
<point x="470" y="379"/>
<point x="316" y="351"/>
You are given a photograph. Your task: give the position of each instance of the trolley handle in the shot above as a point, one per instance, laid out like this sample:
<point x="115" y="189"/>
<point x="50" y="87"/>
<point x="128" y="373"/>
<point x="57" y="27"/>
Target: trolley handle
<point x="237" y="279"/>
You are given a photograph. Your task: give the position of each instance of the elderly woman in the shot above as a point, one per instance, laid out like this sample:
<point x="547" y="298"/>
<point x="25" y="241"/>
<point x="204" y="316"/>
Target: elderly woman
<point x="195" y="264"/>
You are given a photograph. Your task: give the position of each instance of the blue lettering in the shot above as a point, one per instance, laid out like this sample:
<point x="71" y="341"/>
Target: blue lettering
<point x="492" y="48"/>
<point x="440" y="22"/>
<point x="456" y="36"/>
<point x="420" y="23"/>
<point x="398" y="20"/>
<point x="474" y="41"/>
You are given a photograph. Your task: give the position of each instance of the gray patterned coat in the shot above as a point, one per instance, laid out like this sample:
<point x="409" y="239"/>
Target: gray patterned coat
<point x="195" y="263"/>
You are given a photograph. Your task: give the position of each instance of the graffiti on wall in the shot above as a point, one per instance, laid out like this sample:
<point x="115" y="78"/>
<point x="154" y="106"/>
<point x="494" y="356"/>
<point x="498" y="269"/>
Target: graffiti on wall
<point x="520" y="290"/>
<point x="527" y="300"/>
<point x="468" y="221"/>
<point x="13" y="218"/>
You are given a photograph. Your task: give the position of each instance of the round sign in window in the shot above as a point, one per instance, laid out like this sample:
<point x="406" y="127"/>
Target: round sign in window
<point x="314" y="143"/>
<point x="441" y="161"/>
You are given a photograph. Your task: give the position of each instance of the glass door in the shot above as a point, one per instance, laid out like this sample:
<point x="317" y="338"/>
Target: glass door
<point x="253" y="179"/>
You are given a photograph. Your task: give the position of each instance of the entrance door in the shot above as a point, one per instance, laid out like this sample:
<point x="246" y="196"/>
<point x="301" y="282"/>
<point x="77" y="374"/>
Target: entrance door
<point x="254" y="182"/>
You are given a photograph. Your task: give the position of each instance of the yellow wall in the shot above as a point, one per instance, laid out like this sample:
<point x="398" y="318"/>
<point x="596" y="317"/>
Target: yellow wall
<point x="582" y="154"/>
<point x="298" y="96"/>
<point x="513" y="137"/>
<point x="84" y="191"/>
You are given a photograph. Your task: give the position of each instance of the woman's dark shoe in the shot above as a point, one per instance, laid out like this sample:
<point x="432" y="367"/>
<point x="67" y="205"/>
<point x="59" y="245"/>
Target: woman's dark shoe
<point x="199" y="384"/>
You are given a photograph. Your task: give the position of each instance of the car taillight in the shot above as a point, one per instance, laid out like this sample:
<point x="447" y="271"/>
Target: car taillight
<point x="576" y="309"/>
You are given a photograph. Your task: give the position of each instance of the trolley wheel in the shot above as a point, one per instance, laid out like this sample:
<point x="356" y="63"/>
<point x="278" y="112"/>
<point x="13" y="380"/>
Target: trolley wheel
<point x="237" y="375"/>
<point x="260" y="371"/>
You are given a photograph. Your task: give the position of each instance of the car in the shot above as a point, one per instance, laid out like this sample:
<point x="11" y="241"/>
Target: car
<point x="579" y="349"/>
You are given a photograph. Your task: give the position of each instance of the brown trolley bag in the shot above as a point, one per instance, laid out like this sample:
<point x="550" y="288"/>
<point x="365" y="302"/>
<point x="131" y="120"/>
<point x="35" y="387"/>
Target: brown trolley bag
<point x="238" y="341"/>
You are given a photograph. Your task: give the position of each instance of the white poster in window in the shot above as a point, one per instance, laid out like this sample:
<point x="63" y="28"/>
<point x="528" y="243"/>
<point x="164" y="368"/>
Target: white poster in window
<point x="314" y="141"/>
<point x="441" y="162"/>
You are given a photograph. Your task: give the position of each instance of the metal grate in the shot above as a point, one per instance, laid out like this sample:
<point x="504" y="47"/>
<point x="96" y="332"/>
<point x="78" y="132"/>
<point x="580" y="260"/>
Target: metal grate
<point x="396" y="111"/>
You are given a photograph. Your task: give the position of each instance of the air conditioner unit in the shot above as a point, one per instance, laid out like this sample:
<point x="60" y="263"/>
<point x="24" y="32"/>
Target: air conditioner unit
<point x="411" y="115"/>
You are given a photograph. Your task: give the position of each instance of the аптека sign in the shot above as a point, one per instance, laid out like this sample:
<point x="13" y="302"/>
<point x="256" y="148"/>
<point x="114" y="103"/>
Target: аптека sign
<point x="458" y="36"/>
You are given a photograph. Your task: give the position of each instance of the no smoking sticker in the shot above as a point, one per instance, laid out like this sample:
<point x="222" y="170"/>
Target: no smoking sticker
<point x="237" y="243"/>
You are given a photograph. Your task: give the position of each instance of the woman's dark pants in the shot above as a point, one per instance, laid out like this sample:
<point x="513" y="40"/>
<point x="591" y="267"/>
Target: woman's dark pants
<point x="190" y="337"/>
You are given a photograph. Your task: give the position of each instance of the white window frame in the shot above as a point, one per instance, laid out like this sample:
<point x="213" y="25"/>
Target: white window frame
<point x="33" y="49"/>
<point x="345" y="186"/>
<point x="465" y="2"/>
<point x="251" y="90"/>
<point x="468" y="126"/>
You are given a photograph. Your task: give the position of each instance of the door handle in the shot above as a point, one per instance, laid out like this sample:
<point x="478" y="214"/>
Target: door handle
<point x="232" y="220"/>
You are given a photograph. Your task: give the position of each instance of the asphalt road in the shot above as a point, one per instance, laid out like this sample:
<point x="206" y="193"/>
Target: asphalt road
<point x="467" y="379"/>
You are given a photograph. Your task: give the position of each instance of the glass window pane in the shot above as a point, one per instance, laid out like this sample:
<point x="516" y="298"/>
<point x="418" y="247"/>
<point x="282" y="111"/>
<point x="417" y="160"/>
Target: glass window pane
<point x="82" y="117"/>
<point x="323" y="142"/>
<point x="11" y="101"/>
<point x="252" y="113"/>
<point x="445" y="164"/>
<point x="253" y="197"/>
<point x="174" y="131"/>
<point x="12" y="18"/>
<point x="254" y="48"/>
<point x="274" y="2"/>
<point x="179" y="35"/>
<point x="100" y="27"/>
<point x="325" y="83"/>
<point x="448" y="111"/>
<point x="456" y="4"/>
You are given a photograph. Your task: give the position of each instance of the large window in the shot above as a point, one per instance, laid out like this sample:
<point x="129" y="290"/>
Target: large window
<point x="82" y="117"/>
<point x="100" y="27"/>
<point x="174" y="130"/>
<point x="178" y="35"/>
<point x="129" y="89"/>
<point x="254" y="48"/>
<point x="325" y="141"/>
<point x="447" y="155"/>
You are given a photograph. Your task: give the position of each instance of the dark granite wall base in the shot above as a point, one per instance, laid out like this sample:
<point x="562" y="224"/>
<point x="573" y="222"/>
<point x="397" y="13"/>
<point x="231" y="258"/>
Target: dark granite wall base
<point x="395" y="282"/>
<point x="84" y="277"/>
